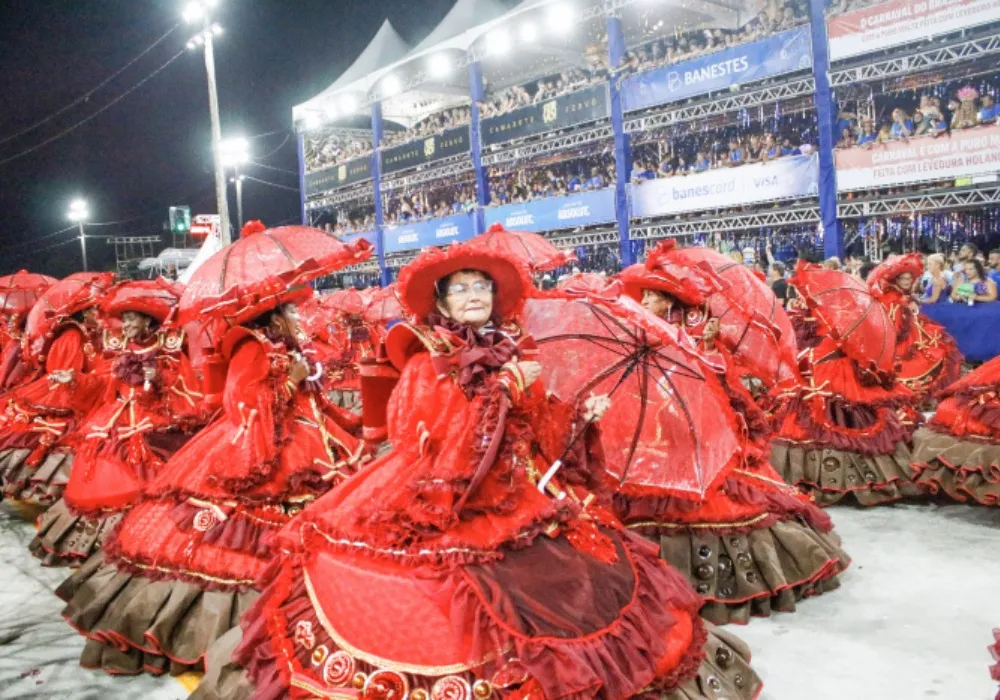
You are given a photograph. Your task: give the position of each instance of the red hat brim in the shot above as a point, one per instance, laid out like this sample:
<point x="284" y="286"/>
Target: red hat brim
<point x="638" y="278"/>
<point x="418" y="280"/>
<point x="155" y="298"/>
<point x="894" y="266"/>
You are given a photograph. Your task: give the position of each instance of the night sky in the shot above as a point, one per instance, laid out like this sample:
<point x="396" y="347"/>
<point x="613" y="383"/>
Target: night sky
<point x="152" y="149"/>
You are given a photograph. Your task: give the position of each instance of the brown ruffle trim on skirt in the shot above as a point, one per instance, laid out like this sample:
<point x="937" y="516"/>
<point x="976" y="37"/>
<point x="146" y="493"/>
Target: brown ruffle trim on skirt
<point x="830" y="475"/>
<point x="42" y="485"/>
<point x="963" y="469"/>
<point x="724" y="672"/>
<point x="173" y="620"/>
<point x="65" y="539"/>
<point x="744" y="575"/>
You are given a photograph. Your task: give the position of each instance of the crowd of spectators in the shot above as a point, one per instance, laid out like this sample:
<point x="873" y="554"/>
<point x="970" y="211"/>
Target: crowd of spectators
<point x="930" y="116"/>
<point x="837" y="6"/>
<point x="325" y="149"/>
<point x="516" y="183"/>
<point x="452" y="196"/>
<point x="775" y="17"/>
<point x="568" y="81"/>
<point x="431" y="125"/>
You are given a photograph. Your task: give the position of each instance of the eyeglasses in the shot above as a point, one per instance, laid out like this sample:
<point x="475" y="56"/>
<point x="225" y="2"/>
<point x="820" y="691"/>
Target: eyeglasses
<point x="461" y="289"/>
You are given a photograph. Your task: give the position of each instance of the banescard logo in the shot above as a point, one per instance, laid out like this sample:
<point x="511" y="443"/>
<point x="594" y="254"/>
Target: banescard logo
<point x="550" y="112"/>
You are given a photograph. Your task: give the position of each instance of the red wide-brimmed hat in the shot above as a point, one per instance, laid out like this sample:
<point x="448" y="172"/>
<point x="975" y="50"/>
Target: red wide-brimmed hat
<point x="155" y="298"/>
<point x="894" y="266"/>
<point x="418" y="280"/>
<point x="690" y="285"/>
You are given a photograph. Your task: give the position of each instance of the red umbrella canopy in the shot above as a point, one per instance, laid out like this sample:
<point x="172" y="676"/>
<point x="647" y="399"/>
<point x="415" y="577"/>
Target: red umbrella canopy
<point x="847" y="311"/>
<point x="63" y="299"/>
<point x="752" y="323"/>
<point x="346" y="302"/>
<point x="384" y="306"/>
<point x="20" y="291"/>
<point x="264" y="269"/>
<point x="536" y="252"/>
<point x="670" y="430"/>
<point x="314" y="318"/>
<point x="585" y="283"/>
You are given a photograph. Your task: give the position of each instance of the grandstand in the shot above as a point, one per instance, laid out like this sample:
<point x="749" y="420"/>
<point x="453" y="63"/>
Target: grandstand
<point x="765" y="126"/>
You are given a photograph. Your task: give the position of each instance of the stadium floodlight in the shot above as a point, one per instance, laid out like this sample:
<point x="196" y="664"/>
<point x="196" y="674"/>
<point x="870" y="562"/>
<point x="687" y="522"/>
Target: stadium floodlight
<point x="391" y="85"/>
<point x="529" y="32"/>
<point x="561" y="17"/>
<point x="193" y="12"/>
<point x="439" y="65"/>
<point x="498" y="42"/>
<point x="348" y="104"/>
<point x="78" y="211"/>
<point x="330" y="110"/>
<point x="235" y="152"/>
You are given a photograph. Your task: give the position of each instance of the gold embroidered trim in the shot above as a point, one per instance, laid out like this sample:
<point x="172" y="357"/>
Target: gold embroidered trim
<point x="700" y="526"/>
<point x="195" y="574"/>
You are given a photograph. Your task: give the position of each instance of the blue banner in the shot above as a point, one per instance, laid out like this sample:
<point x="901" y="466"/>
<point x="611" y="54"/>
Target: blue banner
<point x="555" y="213"/>
<point x="448" y="229"/>
<point x="791" y="177"/>
<point x="781" y="53"/>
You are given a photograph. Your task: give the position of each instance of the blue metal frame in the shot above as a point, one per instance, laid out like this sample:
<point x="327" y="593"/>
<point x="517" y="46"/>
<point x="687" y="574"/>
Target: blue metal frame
<point x="623" y="149"/>
<point x="477" y="91"/>
<point x="826" y="113"/>
<point x="384" y="274"/>
<point x="302" y="178"/>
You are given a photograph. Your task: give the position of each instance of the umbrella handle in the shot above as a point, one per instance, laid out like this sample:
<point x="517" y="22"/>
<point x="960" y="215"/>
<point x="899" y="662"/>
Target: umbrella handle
<point x="557" y="465"/>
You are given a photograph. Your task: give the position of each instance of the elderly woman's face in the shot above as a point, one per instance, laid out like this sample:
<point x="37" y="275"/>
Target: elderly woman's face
<point x="905" y="281"/>
<point x="134" y="324"/>
<point x="656" y="302"/>
<point x="468" y="298"/>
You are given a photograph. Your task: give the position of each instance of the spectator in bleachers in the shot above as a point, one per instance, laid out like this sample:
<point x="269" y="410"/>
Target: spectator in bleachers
<point x="936" y="280"/>
<point x="431" y="125"/>
<point x="902" y="124"/>
<point x="993" y="265"/>
<point x="977" y="287"/>
<point x="988" y="111"/>
<point x="966" y="115"/>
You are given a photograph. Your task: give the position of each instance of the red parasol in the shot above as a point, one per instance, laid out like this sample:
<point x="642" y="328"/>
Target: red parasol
<point x="346" y="302"/>
<point x="60" y="301"/>
<point x="20" y="291"/>
<point x="539" y="254"/>
<point x="752" y="323"/>
<point x="314" y="318"/>
<point x="848" y="312"/>
<point x="584" y="283"/>
<point x="384" y="306"/>
<point x="264" y="269"/>
<point x="666" y="429"/>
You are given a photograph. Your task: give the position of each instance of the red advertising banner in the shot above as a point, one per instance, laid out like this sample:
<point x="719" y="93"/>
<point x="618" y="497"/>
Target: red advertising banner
<point x="898" y="22"/>
<point x="962" y="154"/>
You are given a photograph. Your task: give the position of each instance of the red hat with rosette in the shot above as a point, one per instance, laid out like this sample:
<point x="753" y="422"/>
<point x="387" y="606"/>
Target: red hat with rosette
<point x="690" y="285"/>
<point x="155" y="298"/>
<point x="418" y="281"/>
<point x="892" y="267"/>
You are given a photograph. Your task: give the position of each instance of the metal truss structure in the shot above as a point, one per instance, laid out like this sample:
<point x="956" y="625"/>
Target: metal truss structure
<point x="985" y="194"/>
<point x="367" y="267"/>
<point x="549" y="145"/>
<point x="131" y="250"/>
<point x="772" y="218"/>
<point x="361" y="195"/>
<point x="927" y="59"/>
<point x="456" y="165"/>
<point x="397" y="261"/>
<point x="584" y="238"/>
<point x="723" y="105"/>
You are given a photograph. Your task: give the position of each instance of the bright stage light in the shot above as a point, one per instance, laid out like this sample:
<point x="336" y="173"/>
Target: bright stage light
<point x="529" y="32"/>
<point x="193" y="11"/>
<point x="235" y="152"/>
<point x="439" y="65"/>
<point x="561" y="17"/>
<point x="330" y="110"/>
<point x="498" y="42"/>
<point x="217" y="30"/>
<point x="391" y="85"/>
<point x="347" y="104"/>
<point x="312" y="121"/>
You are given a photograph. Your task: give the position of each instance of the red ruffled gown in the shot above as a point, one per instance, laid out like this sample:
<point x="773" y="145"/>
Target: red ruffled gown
<point x="35" y="458"/>
<point x="843" y="431"/>
<point x="177" y="571"/>
<point x="442" y="572"/>
<point x="958" y="451"/>
<point x="928" y="358"/>
<point x="122" y="444"/>
<point x="753" y="543"/>
<point x="13" y="369"/>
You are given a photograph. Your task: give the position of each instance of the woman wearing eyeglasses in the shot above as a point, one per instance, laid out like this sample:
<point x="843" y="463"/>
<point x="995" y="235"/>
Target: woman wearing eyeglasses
<point x="443" y="572"/>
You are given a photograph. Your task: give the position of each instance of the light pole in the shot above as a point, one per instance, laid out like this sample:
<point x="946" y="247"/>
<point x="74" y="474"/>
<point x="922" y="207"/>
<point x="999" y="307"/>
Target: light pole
<point x="236" y="153"/>
<point x="78" y="214"/>
<point x="201" y="11"/>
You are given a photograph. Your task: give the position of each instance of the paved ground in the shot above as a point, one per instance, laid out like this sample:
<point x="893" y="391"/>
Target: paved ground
<point x="911" y="621"/>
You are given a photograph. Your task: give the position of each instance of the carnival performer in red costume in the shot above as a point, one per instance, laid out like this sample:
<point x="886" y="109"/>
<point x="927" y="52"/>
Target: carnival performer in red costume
<point x="62" y="344"/>
<point x="353" y="342"/>
<point x="18" y="294"/>
<point x="928" y="358"/>
<point x="442" y="571"/>
<point x="753" y="543"/>
<point x="845" y="431"/>
<point x="150" y="407"/>
<point x="958" y="451"/>
<point x="177" y="572"/>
